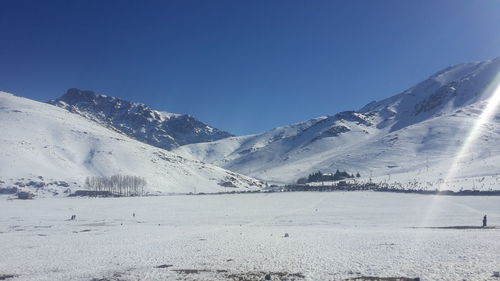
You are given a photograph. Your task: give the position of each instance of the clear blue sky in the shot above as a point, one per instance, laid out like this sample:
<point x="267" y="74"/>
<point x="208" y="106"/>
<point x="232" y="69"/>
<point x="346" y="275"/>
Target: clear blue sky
<point x="242" y="66"/>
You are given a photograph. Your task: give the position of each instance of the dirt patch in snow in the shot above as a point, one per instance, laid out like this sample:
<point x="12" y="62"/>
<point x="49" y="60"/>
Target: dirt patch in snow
<point x="83" y="230"/>
<point x="222" y="274"/>
<point x="374" y="278"/>
<point x="117" y="276"/>
<point x="260" y="275"/>
<point x="164" y="266"/>
<point x="191" y="271"/>
<point x="460" y="227"/>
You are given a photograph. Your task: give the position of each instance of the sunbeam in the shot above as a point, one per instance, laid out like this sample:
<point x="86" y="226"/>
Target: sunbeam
<point x="493" y="101"/>
<point x="492" y="97"/>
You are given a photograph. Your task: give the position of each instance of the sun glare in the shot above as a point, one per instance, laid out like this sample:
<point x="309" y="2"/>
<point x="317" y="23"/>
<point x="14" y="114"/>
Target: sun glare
<point x="492" y="98"/>
<point x="492" y="94"/>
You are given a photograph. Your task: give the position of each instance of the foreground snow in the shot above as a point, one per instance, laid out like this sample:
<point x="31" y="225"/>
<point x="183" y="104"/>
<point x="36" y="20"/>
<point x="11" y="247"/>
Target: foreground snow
<point x="332" y="236"/>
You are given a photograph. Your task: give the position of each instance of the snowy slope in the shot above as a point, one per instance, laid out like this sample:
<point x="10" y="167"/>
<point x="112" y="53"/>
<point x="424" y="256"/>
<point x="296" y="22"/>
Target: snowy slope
<point x="49" y="147"/>
<point x="136" y="120"/>
<point x="413" y="136"/>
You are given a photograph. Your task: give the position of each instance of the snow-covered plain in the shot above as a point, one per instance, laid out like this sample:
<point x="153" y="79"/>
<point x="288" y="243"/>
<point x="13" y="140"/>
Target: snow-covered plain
<point x="332" y="236"/>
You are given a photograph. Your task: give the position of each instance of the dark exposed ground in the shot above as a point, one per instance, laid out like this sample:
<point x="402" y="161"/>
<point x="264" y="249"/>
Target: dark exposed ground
<point x="222" y="274"/>
<point x="460" y="227"/>
<point x="214" y="274"/>
<point x="374" y="278"/>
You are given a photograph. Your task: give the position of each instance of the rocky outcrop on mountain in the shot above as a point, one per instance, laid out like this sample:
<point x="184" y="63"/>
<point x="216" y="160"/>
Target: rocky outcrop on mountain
<point x="136" y="120"/>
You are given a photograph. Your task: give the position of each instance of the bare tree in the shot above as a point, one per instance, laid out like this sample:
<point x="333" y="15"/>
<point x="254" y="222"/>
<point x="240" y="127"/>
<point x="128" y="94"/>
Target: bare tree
<point x="121" y="185"/>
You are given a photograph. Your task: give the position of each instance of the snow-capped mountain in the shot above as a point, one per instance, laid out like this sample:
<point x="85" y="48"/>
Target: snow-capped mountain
<point x="415" y="135"/>
<point x="47" y="148"/>
<point x="136" y="120"/>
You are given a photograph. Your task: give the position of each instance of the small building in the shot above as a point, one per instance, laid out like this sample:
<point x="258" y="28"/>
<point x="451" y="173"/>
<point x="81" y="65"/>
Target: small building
<point x="25" y="195"/>
<point x="342" y="183"/>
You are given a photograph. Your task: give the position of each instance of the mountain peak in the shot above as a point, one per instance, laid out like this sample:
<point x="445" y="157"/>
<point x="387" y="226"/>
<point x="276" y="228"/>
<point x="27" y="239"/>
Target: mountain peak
<point x="75" y="95"/>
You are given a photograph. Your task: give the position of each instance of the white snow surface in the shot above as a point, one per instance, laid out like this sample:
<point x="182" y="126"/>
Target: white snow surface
<point x="412" y="136"/>
<point x="332" y="236"/>
<point x="46" y="146"/>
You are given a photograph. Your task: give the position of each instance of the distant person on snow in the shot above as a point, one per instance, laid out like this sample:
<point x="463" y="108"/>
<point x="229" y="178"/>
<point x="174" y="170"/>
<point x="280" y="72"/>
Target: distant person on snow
<point x="485" y="221"/>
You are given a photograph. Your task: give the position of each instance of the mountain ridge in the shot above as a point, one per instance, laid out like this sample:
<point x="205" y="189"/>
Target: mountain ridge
<point x="411" y="136"/>
<point x="433" y="116"/>
<point x="158" y="128"/>
<point x="51" y="151"/>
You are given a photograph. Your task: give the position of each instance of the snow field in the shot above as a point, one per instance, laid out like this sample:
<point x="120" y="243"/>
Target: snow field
<point x="332" y="236"/>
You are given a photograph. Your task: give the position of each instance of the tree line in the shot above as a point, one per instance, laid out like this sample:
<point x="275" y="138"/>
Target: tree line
<point x="319" y="177"/>
<point x="121" y="185"/>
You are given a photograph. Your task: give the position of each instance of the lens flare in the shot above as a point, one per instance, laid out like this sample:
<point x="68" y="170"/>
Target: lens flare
<point x="492" y="102"/>
<point x="492" y="94"/>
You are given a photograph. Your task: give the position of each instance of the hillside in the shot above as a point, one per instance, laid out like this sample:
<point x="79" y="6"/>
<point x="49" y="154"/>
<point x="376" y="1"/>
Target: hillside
<point x="51" y="150"/>
<point x="413" y="136"/>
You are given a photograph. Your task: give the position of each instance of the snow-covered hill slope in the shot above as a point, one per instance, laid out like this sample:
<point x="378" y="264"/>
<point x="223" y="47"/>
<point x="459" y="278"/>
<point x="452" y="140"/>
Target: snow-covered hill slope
<point x="162" y="129"/>
<point x="413" y="136"/>
<point x="50" y="148"/>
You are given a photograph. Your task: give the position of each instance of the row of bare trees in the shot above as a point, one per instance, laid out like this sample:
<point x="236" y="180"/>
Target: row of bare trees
<point x="122" y="185"/>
